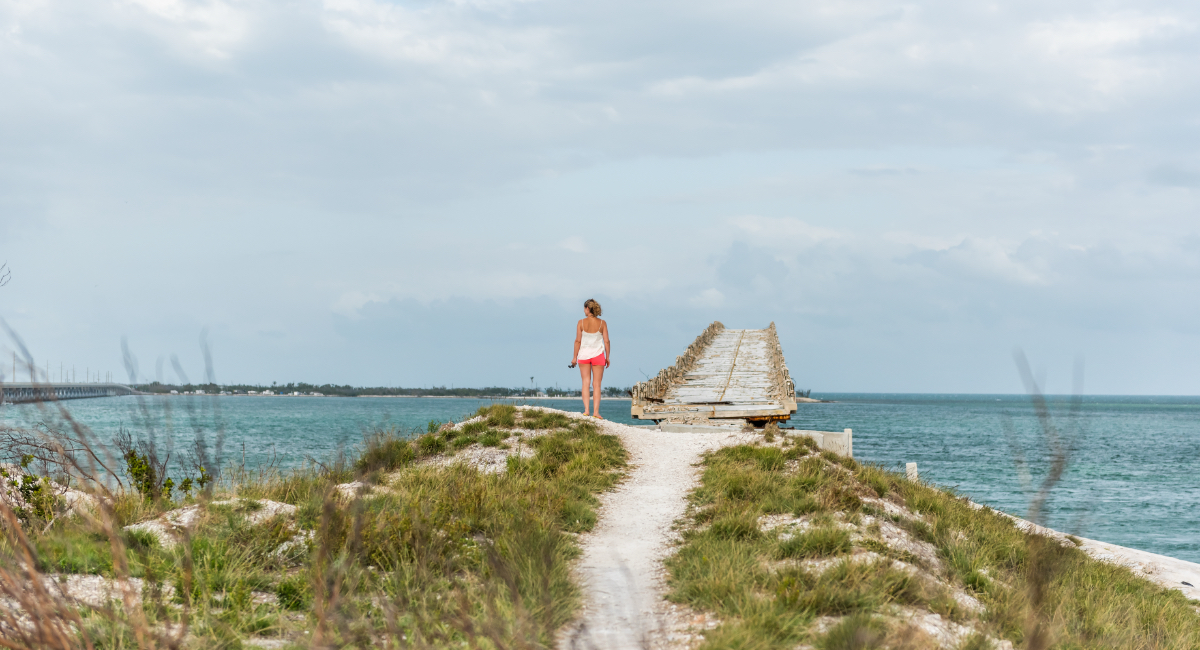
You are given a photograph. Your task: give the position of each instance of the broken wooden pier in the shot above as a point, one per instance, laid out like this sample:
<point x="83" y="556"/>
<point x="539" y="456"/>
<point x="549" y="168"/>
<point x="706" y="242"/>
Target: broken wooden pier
<point x="724" y="375"/>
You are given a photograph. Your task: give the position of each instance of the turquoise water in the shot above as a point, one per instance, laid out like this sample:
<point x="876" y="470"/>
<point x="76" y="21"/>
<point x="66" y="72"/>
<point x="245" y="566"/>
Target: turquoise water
<point x="282" y="430"/>
<point x="1132" y="478"/>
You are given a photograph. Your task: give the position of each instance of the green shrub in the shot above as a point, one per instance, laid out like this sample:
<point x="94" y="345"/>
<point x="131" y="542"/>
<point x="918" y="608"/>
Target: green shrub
<point x="844" y="461"/>
<point x="139" y="540"/>
<point x="539" y="419"/>
<point x="499" y="415"/>
<point x="855" y="632"/>
<point x="977" y="641"/>
<point x="385" y="449"/>
<point x="874" y="477"/>
<point x="839" y="496"/>
<point x="736" y="527"/>
<point x="804" y="442"/>
<point x="430" y="444"/>
<point x="818" y="542"/>
<point x="806" y="505"/>
<point x="474" y="428"/>
<point x="74" y="548"/>
<point x="294" y="593"/>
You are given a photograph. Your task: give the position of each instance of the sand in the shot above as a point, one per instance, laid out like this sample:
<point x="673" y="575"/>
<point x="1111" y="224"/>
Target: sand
<point x="621" y="568"/>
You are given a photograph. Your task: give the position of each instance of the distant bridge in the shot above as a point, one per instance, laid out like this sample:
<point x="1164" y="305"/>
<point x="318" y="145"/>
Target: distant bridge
<point x="22" y="392"/>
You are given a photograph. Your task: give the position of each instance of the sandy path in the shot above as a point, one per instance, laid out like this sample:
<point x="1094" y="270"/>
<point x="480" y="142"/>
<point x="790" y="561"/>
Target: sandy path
<point x="621" y="568"/>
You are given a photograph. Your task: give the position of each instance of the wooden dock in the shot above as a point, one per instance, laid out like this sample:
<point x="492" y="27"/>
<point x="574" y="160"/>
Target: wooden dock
<point x="725" y="375"/>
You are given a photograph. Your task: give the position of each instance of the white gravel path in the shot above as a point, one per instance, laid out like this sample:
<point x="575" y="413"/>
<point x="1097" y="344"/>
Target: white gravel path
<point x="621" y="568"/>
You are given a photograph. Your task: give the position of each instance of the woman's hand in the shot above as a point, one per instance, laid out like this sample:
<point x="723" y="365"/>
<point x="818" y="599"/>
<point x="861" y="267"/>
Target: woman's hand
<point x="607" y="361"/>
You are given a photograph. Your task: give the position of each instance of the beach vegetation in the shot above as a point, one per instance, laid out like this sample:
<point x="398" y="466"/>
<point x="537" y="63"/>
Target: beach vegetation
<point x="788" y="546"/>
<point x="391" y="546"/>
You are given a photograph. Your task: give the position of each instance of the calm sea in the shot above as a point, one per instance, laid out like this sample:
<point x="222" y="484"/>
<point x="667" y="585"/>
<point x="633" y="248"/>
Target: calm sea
<point x="1132" y="478"/>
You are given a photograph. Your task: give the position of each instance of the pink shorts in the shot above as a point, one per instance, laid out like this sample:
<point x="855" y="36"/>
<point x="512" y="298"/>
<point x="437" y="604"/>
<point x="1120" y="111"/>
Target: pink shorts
<point x="595" y="361"/>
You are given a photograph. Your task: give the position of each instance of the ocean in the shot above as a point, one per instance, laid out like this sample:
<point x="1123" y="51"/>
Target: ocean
<point x="1131" y="478"/>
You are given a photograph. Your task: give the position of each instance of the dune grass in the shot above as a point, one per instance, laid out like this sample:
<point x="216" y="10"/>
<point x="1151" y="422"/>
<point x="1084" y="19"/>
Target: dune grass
<point x="837" y="584"/>
<point x="438" y="556"/>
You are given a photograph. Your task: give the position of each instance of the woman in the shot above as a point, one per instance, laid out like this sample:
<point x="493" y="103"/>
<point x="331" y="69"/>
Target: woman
<point x="591" y="343"/>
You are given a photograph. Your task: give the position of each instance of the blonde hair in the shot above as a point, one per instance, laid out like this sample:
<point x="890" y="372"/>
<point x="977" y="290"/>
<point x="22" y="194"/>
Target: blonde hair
<point x="592" y="306"/>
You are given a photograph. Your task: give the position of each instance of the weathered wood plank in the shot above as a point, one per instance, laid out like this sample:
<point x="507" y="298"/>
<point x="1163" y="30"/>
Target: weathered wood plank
<point x="736" y="376"/>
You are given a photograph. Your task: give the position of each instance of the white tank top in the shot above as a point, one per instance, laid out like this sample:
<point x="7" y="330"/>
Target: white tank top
<point x="591" y="345"/>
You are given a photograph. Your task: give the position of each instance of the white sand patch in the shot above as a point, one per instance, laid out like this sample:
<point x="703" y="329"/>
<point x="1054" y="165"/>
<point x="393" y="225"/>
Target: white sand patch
<point x="490" y="460"/>
<point x="360" y="489"/>
<point x="890" y="508"/>
<point x="898" y="539"/>
<point x="169" y="527"/>
<point x="789" y="526"/>
<point x="945" y="633"/>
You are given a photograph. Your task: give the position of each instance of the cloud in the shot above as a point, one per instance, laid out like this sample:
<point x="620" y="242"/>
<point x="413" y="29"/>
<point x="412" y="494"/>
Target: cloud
<point x="349" y="304"/>
<point x="211" y="27"/>
<point x="575" y="244"/>
<point x="984" y="259"/>
<point x="1174" y="175"/>
<point x="709" y="298"/>
<point x="336" y="187"/>
<point x="783" y="231"/>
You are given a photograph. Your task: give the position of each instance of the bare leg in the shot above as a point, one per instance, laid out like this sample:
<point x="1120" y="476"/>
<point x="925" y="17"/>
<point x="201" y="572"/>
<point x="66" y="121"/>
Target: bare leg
<point x="585" y="372"/>
<point x="597" y="375"/>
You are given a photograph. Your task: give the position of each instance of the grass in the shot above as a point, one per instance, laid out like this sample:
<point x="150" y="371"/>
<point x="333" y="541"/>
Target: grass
<point x="820" y="542"/>
<point x="774" y="589"/>
<point x="446" y="555"/>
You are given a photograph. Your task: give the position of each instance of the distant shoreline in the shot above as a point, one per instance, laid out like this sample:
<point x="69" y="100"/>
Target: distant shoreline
<point x="466" y="397"/>
<point x="801" y="400"/>
<point x="376" y="396"/>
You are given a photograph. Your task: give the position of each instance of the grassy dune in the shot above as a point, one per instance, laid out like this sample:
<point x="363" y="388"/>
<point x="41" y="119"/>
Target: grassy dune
<point x="425" y="555"/>
<point x="790" y="547"/>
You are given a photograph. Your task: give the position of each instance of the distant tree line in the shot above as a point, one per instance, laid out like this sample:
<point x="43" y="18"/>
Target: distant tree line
<point x="356" y="391"/>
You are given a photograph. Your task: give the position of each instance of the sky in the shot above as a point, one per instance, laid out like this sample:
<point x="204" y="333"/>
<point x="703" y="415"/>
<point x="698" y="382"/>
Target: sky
<point x="424" y="193"/>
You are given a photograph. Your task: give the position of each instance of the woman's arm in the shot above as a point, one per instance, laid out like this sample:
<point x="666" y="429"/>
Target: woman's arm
<point x="607" y="345"/>
<point x="578" y="337"/>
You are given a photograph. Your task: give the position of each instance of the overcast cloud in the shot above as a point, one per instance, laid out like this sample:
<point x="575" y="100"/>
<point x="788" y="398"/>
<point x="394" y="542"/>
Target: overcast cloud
<point x="372" y="192"/>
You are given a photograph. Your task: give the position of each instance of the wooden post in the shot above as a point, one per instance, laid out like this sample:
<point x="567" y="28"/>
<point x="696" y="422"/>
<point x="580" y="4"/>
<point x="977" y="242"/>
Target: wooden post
<point x="910" y="470"/>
